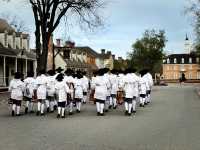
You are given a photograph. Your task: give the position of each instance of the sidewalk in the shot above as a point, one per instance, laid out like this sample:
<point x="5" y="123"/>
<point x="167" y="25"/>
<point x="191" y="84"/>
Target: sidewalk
<point x="4" y="98"/>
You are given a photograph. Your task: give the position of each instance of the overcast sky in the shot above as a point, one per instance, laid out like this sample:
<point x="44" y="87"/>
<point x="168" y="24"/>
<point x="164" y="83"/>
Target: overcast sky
<point x="125" y="21"/>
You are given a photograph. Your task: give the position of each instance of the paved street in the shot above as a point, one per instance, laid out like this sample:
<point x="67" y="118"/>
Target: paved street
<point x="171" y="122"/>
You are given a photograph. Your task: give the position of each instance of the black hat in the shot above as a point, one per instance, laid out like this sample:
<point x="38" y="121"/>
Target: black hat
<point x="133" y="70"/>
<point x="42" y="71"/>
<point x="60" y="77"/>
<point x="17" y="75"/>
<point x="69" y="72"/>
<point x="51" y="72"/>
<point x="30" y="74"/>
<point x="59" y="69"/>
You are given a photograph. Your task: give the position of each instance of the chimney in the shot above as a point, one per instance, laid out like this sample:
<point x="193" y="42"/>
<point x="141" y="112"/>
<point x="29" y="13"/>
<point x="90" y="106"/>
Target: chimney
<point x="58" y="43"/>
<point x="109" y="52"/>
<point x="113" y="56"/>
<point x="103" y="51"/>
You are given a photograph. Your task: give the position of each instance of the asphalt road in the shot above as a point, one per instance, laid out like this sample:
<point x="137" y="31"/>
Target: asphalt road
<point x="171" y="122"/>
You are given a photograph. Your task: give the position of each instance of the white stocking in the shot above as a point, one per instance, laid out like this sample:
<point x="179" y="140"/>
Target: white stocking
<point x="42" y="108"/>
<point x="134" y="105"/>
<point x="39" y="106"/>
<point x="47" y="103"/>
<point x="126" y="106"/>
<point x="129" y="108"/>
<point x="98" y="106"/>
<point x="63" y="111"/>
<point x="59" y="110"/>
<point x="13" y="107"/>
<point x="18" y="110"/>
<point x="101" y="108"/>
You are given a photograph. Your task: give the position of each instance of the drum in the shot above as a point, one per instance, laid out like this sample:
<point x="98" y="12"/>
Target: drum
<point x="120" y="97"/>
<point x="92" y="96"/>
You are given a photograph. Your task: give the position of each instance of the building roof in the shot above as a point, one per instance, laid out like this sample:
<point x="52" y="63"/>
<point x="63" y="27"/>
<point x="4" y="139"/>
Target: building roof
<point x="179" y="57"/>
<point x="87" y="49"/>
<point x="15" y="52"/>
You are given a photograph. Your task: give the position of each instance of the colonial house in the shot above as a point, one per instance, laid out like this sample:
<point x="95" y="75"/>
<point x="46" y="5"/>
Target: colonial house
<point x="15" y="53"/>
<point x="105" y="59"/>
<point x="175" y="65"/>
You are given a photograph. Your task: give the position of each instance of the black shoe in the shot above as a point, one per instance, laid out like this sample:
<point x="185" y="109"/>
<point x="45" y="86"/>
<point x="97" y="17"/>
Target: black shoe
<point x="141" y="105"/>
<point x="31" y="111"/>
<point x="13" y="113"/>
<point x="42" y="114"/>
<point x="145" y="103"/>
<point x="129" y="114"/>
<point x="98" y="113"/>
<point x="70" y="113"/>
<point x="38" y="113"/>
<point x="63" y="116"/>
<point x="78" y="111"/>
<point x="115" y="107"/>
<point x="18" y="115"/>
<point x="102" y="114"/>
<point x="134" y="112"/>
<point x="126" y="113"/>
<point x="58" y="116"/>
<point x="110" y="107"/>
<point x="106" y="110"/>
<point x="84" y="102"/>
<point x="26" y="110"/>
<point x="55" y="107"/>
<point x="51" y="111"/>
<point x="48" y="110"/>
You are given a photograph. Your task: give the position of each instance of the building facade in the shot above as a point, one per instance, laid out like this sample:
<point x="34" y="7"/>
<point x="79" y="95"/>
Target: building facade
<point x="176" y="64"/>
<point x="15" y="53"/>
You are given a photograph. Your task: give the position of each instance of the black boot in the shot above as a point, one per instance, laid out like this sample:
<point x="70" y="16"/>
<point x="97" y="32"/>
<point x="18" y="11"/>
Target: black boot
<point x="26" y="110"/>
<point x="48" y="110"/>
<point x="13" y="113"/>
<point x="58" y="116"/>
<point x="110" y="107"/>
<point x="38" y="113"/>
<point x="126" y="113"/>
<point x="70" y="113"/>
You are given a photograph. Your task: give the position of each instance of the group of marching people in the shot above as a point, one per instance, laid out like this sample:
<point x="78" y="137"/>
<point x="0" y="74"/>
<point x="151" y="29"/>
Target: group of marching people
<point x="68" y="90"/>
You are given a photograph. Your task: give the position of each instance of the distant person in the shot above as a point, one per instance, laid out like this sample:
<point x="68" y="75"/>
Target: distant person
<point x="182" y="78"/>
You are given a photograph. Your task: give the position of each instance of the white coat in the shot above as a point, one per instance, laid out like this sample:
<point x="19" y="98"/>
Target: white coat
<point x="41" y="82"/>
<point x="129" y="85"/>
<point x="51" y="85"/>
<point x="85" y="81"/>
<point x="78" y="88"/>
<point x="136" y="88"/>
<point x="70" y="82"/>
<point x="142" y="85"/>
<point x="30" y="86"/>
<point x="101" y="86"/>
<point x="107" y="78"/>
<point x="61" y="91"/>
<point x="16" y="88"/>
<point x="114" y="84"/>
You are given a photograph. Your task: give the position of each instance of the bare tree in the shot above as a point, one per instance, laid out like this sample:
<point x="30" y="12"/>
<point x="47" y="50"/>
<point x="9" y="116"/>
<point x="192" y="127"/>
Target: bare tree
<point x="49" y="13"/>
<point x="16" y="22"/>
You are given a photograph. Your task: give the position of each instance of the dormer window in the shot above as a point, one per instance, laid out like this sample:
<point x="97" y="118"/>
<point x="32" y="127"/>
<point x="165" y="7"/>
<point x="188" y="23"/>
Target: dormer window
<point x="182" y="61"/>
<point x="168" y="61"/>
<point x="190" y="60"/>
<point x="175" y="60"/>
<point x="197" y="59"/>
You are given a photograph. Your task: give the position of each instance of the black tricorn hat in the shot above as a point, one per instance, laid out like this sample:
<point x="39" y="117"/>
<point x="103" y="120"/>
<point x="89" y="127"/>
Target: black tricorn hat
<point x="51" y="72"/>
<point x="17" y="75"/>
<point x="133" y="70"/>
<point x="59" y="69"/>
<point x="60" y="77"/>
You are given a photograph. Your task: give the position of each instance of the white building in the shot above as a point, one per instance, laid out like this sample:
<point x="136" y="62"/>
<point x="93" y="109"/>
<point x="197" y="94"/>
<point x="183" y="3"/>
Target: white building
<point x="15" y="53"/>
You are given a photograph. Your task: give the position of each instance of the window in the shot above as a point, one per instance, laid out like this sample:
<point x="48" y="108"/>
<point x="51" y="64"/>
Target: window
<point x="190" y="60"/>
<point x="182" y="61"/>
<point x="66" y="55"/>
<point x="168" y="61"/>
<point x="197" y="59"/>
<point x="175" y="60"/>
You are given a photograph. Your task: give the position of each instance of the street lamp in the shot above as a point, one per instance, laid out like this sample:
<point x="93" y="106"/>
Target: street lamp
<point x="22" y="53"/>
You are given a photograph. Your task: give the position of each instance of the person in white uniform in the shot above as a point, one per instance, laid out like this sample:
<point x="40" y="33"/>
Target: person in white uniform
<point x="69" y="80"/>
<point x="78" y="90"/>
<point x="58" y="71"/>
<point x="30" y="86"/>
<point x="85" y="87"/>
<point x="100" y="86"/>
<point x="142" y="88"/>
<point x="61" y="91"/>
<point x="50" y="91"/>
<point x="129" y="84"/>
<point x="41" y="82"/>
<point x="107" y="76"/>
<point x="135" y="90"/>
<point x="16" y="88"/>
<point x="114" y="88"/>
<point x="149" y="79"/>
